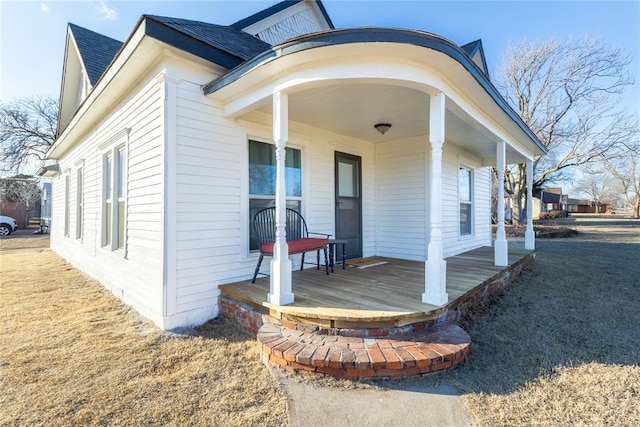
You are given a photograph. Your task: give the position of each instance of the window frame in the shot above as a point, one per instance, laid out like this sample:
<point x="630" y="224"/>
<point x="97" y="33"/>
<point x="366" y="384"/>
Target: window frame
<point x="299" y="199"/>
<point x="470" y="203"/>
<point x="79" y="202"/>
<point x="113" y="201"/>
<point x="67" y="204"/>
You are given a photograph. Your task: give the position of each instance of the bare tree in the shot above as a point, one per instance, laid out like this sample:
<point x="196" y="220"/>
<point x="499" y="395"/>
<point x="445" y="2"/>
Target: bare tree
<point x="566" y="92"/>
<point x="27" y="130"/>
<point x="600" y="186"/>
<point x="626" y="170"/>
<point x="22" y="189"/>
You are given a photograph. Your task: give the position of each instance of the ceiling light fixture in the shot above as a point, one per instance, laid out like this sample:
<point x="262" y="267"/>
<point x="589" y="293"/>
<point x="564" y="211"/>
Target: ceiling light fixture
<point x="382" y="127"/>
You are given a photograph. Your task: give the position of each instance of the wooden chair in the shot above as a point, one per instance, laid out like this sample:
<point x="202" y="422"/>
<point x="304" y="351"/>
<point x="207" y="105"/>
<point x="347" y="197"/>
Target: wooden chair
<point x="264" y="225"/>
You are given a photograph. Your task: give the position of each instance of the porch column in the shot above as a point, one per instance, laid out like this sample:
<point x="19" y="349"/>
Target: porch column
<point x="529" y="236"/>
<point x="435" y="288"/>
<point x="280" y="285"/>
<point x="500" y="247"/>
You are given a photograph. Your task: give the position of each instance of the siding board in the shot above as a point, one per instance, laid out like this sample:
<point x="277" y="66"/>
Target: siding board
<point x="137" y="279"/>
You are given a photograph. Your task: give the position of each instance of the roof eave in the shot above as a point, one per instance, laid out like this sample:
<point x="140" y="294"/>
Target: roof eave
<point x="154" y="29"/>
<point x="49" y="170"/>
<point x="375" y="35"/>
<point x="62" y="80"/>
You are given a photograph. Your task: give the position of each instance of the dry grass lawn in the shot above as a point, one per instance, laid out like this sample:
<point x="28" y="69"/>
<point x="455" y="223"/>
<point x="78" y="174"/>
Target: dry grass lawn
<point x="72" y="354"/>
<point x="562" y="346"/>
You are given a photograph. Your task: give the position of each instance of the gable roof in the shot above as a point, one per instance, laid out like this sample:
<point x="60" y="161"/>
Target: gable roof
<point x="96" y="51"/>
<point x="256" y="17"/>
<point x="234" y="46"/>
<point x="476" y="52"/>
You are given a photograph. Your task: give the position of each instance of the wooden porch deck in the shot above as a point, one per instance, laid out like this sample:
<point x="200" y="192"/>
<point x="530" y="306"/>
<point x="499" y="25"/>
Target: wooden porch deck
<point x="380" y="296"/>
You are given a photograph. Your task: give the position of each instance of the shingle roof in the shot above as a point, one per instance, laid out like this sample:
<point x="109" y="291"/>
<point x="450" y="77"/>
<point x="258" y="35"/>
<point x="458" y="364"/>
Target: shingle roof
<point x="474" y="47"/>
<point x="471" y="48"/>
<point x="96" y="51"/>
<point x="225" y="38"/>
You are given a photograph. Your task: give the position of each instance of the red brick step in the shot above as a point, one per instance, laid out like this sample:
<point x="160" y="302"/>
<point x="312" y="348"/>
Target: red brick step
<point x="395" y="356"/>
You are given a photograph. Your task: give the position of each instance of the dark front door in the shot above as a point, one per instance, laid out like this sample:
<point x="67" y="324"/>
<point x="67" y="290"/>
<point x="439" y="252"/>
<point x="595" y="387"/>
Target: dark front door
<point x="349" y="204"/>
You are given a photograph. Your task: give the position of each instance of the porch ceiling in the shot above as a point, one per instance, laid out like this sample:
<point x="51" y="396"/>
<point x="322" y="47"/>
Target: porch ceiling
<point x="353" y="109"/>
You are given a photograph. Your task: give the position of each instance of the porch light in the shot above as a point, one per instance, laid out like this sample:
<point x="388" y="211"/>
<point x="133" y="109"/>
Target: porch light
<point x="382" y="127"/>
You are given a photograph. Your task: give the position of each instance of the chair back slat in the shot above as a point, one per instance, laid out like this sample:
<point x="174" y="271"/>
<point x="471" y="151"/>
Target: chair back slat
<point x="264" y="225"/>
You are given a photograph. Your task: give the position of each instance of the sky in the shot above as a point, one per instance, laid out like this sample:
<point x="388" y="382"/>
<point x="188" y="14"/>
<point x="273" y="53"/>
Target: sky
<point x="32" y="33"/>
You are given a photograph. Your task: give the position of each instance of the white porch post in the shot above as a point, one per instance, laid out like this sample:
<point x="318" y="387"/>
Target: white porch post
<point x="529" y="236"/>
<point x="435" y="287"/>
<point x="280" y="286"/>
<point x="501" y="248"/>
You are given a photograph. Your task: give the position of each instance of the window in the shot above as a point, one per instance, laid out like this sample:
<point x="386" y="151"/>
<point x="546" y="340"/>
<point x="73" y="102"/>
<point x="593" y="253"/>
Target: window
<point x="121" y="178"/>
<point x="114" y="201"/>
<point x="67" y="210"/>
<point x="262" y="180"/>
<point x="465" y="191"/>
<point x="79" y="204"/>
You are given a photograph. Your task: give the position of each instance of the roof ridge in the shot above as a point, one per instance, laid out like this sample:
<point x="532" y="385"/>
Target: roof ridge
<point x="71" y="24"/>
<point x="191" y="21"/>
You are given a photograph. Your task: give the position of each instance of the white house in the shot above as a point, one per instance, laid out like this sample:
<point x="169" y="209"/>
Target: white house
<point x="168" y="142"/>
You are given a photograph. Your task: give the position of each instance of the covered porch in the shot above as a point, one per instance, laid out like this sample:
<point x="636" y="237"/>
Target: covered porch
<point x="333" y="90"/>
<point x="377" y="299"/>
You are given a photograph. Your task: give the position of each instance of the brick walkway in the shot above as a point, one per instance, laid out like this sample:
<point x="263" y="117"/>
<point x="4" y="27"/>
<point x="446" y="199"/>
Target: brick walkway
<point x="404" y="355"/>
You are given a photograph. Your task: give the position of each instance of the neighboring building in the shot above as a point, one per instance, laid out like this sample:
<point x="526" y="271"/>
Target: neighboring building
<point x="166" y="149"/>
<point x="552" y="199"/>
<point x="548" y="200"/>
<point x="17" y="211"/>
<point x="19" y="199"/>
<point x="589" y="206"/>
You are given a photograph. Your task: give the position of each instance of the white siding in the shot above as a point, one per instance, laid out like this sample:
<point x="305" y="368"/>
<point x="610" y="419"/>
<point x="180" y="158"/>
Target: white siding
<point x="197" y="161"/>
<point x="401" y="207"/>
<point x="402" y="201"/>
<point x="209" y="167"/>
<point x="212" y="194"/>
<point x="135" y="277"/>
<point x="454" y="244"/>
<point x="208" y="164"/>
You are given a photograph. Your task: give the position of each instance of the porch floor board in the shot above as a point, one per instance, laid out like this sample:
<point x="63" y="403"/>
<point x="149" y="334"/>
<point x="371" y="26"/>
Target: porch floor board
<point x="389" y="294"/>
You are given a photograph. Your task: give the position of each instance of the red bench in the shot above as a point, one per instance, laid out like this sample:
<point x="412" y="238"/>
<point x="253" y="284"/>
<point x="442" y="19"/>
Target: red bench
<point x="298" y="240"/>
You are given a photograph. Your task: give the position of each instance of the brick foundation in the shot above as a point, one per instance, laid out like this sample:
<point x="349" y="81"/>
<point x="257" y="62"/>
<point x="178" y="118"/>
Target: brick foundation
<point x="370" y="352"/>
<point x="247" y="317"/>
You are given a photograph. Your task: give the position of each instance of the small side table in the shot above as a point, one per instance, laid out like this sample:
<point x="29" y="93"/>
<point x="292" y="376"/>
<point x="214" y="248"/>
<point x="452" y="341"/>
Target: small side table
<point x="332" y="252"/>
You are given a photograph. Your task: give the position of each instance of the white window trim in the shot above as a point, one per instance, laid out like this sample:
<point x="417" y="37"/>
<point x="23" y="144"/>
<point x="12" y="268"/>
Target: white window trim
<point x="67" y="203"/>
<point x="111" y="146"/>
<point x="80" y="202"/>
<point x="472" y="202"/>
<point x="259" y="133"/>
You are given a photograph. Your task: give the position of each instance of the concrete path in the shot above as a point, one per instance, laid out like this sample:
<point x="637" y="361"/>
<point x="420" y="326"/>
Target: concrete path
<point x="398" y="405"/>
